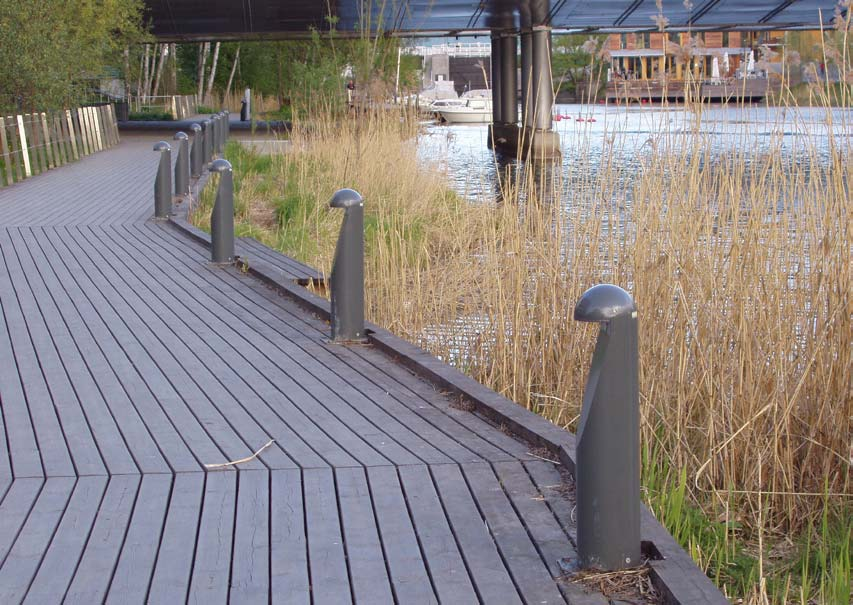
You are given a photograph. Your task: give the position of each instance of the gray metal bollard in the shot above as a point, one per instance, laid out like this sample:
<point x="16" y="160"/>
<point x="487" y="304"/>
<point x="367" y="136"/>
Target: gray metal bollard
<point x="207" y="140"/>
<point x="222" y="217"/>
<point x="197" y="151"/>
<point x="163" y="181"/>
<point x="607" y="470"/>
<point x="217" y="133"/>
<point x="348" y="269"/>
<point x="226" y="123"/>
<point x="182" y="165"/>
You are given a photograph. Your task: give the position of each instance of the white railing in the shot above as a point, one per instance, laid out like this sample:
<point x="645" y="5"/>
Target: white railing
<point x="457" y="49"/>
<point x="31" y="143"/>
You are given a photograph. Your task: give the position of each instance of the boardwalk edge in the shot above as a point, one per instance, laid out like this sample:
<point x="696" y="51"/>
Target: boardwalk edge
<point x="674" y="573"/>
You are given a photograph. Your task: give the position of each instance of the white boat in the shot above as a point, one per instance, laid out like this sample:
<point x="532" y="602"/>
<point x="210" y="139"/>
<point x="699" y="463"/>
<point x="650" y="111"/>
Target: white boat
<point x="475" y="111"/>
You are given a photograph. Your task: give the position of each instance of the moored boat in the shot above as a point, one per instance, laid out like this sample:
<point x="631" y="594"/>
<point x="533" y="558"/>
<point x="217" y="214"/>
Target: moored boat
<point x="474" y="111"/>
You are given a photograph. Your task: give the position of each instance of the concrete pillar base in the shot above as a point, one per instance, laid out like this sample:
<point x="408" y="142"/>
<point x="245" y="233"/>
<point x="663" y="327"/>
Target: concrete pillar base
<point x="527" y="143"/>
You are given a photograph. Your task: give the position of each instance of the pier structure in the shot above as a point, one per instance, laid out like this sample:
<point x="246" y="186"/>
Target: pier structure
<point x="534" y="137"/>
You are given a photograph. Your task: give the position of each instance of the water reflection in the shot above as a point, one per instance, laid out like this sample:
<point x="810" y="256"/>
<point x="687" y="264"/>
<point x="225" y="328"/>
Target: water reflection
<point x="619" y="139"/>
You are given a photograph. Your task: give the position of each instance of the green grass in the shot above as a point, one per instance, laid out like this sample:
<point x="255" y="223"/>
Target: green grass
<point x="203" y="109"/>
<point x="150" y="116"/>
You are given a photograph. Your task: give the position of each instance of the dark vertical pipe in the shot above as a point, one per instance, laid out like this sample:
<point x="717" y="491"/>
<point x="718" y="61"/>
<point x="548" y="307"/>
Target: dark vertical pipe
<point x="497" y="113"/>
<point x="222" y="217"/>
<point x="526" y="81"/>
<point x="197" y="150"/>
<point x="348" y="269"/>
<point x="607" y="470"/>
<point x="163" y="181"/>
<point x="542" y="85"/>
<point x="509" y="78"/>
<point x="182" y="164"/>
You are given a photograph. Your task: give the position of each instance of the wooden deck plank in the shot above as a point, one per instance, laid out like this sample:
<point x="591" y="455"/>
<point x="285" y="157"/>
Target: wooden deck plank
<point x="20" y="453"/>
<point x="181" y="363"/>
<point x="46" y="426"/>
<point x="169" y="383"/>
<point x="551" y="541"/>
<point x="409" y="575"/>
<point x="288" y="320"/>
<point x="172" y="573"/>
<point x="108" y="332"/>
<point x="92" y="578"/>
<point x="115" y="407"/>
<point x="47" y="339"/>
<point x="553" y="487"/>
<point x="258" y="392"/>
<point x="135" y="565"/>
<point x="367" y="566"/>
<point x="106" y="445"/>
<point x="292" y="268"/>
<point x="212" y="566"/>
<point x="24" y="557"/>
<point x="289" y="580"/>
<point x="490" y="577"/>
<point x="446" y="566"/>
<point x="337" y="418"/>
<point x="66" y="546"/>
<point x="14" y="510"/>
<point x="527" y="568"/>
<point x="373" y="404"/>
<point x="250" y="569"/>
<point x="131" y="353"/>
<point x="328" y="565"/>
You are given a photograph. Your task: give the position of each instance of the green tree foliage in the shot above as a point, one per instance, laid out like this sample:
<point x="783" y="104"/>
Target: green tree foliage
<point x="50" y="50"/>
<point x="576" y="61"/>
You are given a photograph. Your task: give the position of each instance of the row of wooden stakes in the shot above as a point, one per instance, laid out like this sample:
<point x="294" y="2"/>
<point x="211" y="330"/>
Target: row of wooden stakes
<point x="32" y="143"/>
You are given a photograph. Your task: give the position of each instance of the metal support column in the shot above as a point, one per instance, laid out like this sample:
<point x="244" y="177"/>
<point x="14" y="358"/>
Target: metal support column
<point x="542" y="86"/>
<point x="526" y="83"/>
<point x="509" y="80"/>
<point x="497" y="113"/>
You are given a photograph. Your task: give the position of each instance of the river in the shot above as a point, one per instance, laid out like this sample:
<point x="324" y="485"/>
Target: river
<point x="592" y="135"/>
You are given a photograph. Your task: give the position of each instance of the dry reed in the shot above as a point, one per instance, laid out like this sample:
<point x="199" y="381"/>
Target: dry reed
<point x="739" y="262"/>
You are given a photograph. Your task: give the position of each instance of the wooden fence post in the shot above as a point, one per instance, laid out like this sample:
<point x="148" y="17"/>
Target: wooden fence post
<point x="4" y="149"/>
<point x="72" y="134"/>
<point x="48" y="150"/>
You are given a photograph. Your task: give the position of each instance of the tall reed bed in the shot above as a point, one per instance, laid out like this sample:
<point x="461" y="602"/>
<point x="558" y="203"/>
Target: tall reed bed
<point x="740" y="263"/>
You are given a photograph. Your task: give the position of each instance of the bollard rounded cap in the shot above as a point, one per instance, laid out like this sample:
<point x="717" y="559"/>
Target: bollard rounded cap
<point x="181" y="136"/>
<point x="205" y="123"/>
<point x="195" y="127"/>
<point x="220" y="165"/>
<point x="603" y="302"/>
<point x="162" y="146"/>
<point x="346" y="198"/>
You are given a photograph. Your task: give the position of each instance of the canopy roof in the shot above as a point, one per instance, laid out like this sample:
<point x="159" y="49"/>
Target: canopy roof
<point x="247" y="19"/>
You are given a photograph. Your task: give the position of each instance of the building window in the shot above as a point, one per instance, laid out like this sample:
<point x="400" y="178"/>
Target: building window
<point x="623" y="41"/>
<point x="725" y="38"/>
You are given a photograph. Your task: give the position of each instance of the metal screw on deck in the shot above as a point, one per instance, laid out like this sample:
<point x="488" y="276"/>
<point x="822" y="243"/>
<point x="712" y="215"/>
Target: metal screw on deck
<point x="197" y="151"/>
<point x="222" y="217"/>
<point x="348" y="269"/>
<point x="163" y="182"/>
<point x="207" y="140"/>
<point x="182" y="165"/>
<point x="607" y="470"/>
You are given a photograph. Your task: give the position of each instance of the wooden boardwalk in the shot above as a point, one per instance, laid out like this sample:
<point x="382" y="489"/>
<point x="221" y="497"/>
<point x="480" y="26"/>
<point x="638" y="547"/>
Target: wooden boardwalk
<point x="128" y="364"/>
